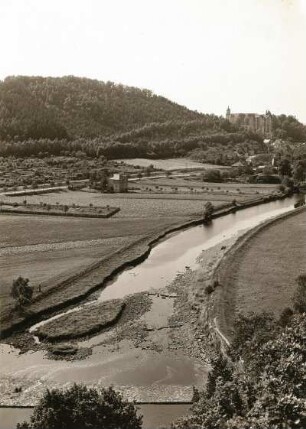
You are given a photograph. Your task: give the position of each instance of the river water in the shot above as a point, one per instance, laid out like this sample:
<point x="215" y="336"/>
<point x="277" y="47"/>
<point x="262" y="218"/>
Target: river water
<point x="154" y="415"/>
<point x="166" y="259"/>
<point x="181" y="250"/>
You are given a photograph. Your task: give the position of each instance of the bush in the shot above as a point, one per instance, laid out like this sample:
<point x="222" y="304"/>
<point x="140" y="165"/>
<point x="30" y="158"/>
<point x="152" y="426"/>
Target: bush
<point x="299" y="299"/>
<point x="212" y="176"/>
<point x="285" y="316"/>
<point x="21" y="291"/>
<point x="208" y="211"/>
<point x="80" y="407"/>
<point x="209" y="289"/>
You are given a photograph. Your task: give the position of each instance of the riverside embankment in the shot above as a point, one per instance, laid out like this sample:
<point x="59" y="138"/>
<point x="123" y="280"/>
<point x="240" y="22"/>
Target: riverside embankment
<point x="259" y="272"/>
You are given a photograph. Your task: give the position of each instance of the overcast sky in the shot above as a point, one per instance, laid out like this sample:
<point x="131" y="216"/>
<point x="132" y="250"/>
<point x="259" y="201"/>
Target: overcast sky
<point x="205" y="54"/>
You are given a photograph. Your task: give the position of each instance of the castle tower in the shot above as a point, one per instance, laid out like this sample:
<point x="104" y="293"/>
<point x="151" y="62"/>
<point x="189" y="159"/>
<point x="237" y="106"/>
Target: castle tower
<point x="228" y="113"/>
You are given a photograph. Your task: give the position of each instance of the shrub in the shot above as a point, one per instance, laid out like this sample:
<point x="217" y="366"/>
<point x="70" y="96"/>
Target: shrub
<point x="21" y="291"/>
<point x="285" y="316"/>
<point x="208" y="211"/>
<point x="209" y="289"/>
<point x="299" y="299"/>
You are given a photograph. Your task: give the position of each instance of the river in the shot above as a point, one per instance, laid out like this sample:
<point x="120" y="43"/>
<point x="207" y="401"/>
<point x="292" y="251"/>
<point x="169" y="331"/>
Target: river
<point x="166" y="259"/>
<point x="154" y="415"/>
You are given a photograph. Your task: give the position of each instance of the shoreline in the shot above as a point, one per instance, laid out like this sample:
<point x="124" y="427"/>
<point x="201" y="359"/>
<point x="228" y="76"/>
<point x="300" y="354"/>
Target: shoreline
<point x="140" y="251"/>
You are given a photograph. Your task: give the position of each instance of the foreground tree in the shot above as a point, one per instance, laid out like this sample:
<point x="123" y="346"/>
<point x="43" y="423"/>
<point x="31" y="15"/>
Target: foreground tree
<point x="21" y="291"/>
<point x="80" y="407"/>
<point x="208" y="211"/>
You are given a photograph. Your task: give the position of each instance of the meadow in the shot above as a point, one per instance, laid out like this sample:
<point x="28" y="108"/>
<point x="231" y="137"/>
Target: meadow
<point x="132" y="205"/>
<point x="49" y="250"/>
<point x="193" y="187"/>
<point x="169" y="164"/>
<point x="260" y="274"/>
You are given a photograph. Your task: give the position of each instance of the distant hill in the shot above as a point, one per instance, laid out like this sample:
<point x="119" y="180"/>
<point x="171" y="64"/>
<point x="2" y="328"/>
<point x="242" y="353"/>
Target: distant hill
<point x="71" y="107"/>
<point x="70" y="115"/>
<point x="52" y="116"/>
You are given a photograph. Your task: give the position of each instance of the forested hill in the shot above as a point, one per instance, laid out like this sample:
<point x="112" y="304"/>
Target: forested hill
<point x="69" y="115"/>
<point x="71" y="107"/>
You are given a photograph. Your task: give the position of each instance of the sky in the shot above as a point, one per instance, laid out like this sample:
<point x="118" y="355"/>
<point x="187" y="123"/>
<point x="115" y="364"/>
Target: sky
<point x="204" y="54"/>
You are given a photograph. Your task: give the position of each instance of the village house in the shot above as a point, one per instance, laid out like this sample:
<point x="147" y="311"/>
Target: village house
<point x="118" y="183"/>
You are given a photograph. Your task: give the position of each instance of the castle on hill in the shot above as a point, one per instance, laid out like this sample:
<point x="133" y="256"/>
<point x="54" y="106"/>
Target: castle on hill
<point x="261" y="124"/>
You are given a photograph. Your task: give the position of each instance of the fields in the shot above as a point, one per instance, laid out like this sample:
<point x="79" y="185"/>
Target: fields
<point x="50" y="250"/>
<point x="260" y="275"/>
<point x="58" y="210"/>
<point x="194" y="188"/>
<point x="169" y="164"/>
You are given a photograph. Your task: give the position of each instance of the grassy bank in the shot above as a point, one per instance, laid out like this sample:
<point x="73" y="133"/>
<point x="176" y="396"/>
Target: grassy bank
<point x="89" y="320"/>
<point x="258" y="273"/>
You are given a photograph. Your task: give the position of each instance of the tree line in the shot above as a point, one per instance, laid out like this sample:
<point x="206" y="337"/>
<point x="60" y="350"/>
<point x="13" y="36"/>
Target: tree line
<point x="218" y="147"/>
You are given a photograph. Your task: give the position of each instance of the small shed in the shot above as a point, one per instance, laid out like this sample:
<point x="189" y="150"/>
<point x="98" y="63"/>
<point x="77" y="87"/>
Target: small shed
<point x="119" y="182"/>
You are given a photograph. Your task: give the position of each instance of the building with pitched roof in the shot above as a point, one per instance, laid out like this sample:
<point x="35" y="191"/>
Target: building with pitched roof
<point x="261" y="124"/>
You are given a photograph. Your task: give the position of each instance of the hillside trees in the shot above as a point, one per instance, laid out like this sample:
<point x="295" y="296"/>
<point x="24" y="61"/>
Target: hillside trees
<point x="288" y="128"/>
<point x="58" y="116"/>
<point x="299" y="171"/>
<point x="69" y="115"/>
<point x="261" y="380"/>
<point x="37" y="107"/>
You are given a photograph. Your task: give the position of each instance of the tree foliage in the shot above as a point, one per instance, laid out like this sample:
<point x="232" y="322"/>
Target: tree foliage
<point x="21" y="291"/>
<point x="288" y="128"/>
<point x="208" y="211"/>
<point x="261" y="382"/>
<point x="71" y="107"/>
<point x="80" y="407"/>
